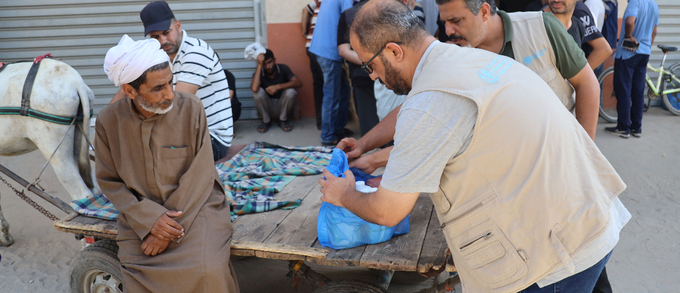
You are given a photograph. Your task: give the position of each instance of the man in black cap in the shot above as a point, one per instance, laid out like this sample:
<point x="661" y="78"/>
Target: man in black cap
<point x="196" y="69"/>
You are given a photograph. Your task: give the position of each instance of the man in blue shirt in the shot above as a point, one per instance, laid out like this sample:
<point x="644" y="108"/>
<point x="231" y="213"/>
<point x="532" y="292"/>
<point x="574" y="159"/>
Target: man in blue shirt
<point x="335" y="86"/>
<point x="632" y="54"/>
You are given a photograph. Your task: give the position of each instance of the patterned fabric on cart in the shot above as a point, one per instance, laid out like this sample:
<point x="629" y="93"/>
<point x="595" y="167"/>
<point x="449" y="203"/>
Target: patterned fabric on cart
<point x="253" y="176"/>
<point x="97" y="206"/>
<point x="251" y="179"/>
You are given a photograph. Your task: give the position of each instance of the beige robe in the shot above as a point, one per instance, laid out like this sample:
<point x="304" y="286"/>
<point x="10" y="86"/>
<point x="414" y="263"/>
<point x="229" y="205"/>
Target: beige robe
<point x="147" y="166"/>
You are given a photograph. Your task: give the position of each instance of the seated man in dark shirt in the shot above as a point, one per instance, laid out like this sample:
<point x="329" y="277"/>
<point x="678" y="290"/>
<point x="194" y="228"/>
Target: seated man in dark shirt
<point x="273" y="91"/>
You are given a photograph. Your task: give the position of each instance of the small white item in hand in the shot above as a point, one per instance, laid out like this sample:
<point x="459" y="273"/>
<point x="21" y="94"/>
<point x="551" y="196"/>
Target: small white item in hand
<point x="253" y="50"/>
<point x="361" y="186"/>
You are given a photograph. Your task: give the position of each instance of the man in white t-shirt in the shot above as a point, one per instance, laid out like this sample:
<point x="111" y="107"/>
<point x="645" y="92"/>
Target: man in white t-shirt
<point x="597" y="9"/>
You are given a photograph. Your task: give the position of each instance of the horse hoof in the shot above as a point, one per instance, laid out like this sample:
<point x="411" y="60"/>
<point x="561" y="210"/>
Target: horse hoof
<point x="6" y="240"/>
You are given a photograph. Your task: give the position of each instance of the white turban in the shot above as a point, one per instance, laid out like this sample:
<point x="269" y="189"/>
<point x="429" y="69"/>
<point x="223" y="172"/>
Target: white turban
<point x="127" y="61"/>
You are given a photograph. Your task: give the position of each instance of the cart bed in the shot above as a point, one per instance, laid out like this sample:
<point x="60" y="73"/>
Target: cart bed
<point x="291" y="235"/>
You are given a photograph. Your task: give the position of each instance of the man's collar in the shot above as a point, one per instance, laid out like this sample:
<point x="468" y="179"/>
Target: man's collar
<point x="507" y="29"/>
<point x="181" y="46"/>
<point x="419" y="68"/>
<point x="133" y="109"/>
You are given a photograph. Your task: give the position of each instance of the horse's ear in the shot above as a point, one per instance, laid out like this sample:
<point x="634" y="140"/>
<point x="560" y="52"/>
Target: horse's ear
<point x="129" y="91"/>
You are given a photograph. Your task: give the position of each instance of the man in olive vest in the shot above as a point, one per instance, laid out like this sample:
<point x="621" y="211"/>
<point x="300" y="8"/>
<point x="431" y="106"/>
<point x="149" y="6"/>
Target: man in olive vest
<point x="526" y="199"/>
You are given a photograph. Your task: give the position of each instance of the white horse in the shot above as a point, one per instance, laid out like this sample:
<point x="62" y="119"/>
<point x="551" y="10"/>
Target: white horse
<point x="58" y="90"/>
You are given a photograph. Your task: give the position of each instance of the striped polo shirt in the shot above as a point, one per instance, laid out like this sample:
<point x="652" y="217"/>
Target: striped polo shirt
<point x="197" y="63"/>
<point x="313" y="9"/>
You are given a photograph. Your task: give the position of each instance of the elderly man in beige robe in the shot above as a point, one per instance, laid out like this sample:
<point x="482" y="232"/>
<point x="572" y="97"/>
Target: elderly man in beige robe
<point x="154" y="163"/>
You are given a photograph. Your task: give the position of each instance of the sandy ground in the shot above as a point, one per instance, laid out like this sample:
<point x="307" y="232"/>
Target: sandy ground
<point x="647" y="258"/>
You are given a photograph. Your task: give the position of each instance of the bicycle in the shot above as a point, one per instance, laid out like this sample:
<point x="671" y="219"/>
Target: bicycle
<point x="667" y="86"/>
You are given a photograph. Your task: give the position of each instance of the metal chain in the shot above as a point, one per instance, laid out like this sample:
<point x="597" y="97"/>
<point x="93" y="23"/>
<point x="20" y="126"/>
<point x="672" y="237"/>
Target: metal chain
<point x="34" y="204"/>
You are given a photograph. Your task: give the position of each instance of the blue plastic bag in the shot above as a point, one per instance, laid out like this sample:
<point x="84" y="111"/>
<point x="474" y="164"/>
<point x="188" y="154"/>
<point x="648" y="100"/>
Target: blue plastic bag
<point x="338" y="228"/>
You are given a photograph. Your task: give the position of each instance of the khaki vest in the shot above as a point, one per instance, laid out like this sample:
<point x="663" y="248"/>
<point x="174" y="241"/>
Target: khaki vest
<point x="531" y="190"/>
<point x="531" y="47"/>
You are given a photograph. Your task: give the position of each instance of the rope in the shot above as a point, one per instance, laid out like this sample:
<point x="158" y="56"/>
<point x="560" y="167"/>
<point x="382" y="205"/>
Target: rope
<point x="37" y="179"/>
<point x="86" y="138"/>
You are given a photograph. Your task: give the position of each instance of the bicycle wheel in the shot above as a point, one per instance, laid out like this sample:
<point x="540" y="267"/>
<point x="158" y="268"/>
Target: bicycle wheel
<point x="672" y="101"/>
<point x="607" y="95"/>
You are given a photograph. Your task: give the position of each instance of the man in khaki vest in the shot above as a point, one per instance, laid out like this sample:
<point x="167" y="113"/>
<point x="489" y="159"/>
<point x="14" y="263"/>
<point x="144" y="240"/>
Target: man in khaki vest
<point x="526" y="200"/>
<point x="537" y="40"/>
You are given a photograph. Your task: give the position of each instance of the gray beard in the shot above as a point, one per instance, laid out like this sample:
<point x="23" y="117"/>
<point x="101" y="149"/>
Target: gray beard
<point x="147" y="106"/>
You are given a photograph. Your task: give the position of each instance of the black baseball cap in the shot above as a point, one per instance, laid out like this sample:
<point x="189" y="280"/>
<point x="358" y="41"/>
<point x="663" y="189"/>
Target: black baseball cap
<point x="156" y="16"/>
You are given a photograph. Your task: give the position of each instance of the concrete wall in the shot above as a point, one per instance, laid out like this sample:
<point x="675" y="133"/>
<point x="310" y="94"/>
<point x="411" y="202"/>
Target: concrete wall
<point x="622" y="8"/>
<point x="284" y="38"/>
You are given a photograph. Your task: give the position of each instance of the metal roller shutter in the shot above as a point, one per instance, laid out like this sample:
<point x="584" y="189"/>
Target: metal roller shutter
<point x="667" y="33"/>
<point x="80" y="32"/>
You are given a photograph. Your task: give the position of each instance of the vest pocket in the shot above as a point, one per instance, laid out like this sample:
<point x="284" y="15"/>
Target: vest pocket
<point x="548" y="74"/>
<point x="441" y="203"/>
<point x="486" y="253"/>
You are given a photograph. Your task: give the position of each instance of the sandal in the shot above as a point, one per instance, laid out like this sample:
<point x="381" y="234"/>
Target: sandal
<point x="285" y="126"/>
<point x="263" y="127"/>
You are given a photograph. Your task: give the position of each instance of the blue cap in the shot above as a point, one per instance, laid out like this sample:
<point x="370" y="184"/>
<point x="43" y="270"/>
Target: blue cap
<point x="156" y="16"/>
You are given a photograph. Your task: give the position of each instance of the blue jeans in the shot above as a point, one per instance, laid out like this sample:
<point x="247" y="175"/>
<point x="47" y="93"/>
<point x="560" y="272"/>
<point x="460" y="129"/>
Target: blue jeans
<point x="335" y="99"/>
<point x="629" y="85"/>
<point x="219" y="150"/>
<point x="583" y="282"/>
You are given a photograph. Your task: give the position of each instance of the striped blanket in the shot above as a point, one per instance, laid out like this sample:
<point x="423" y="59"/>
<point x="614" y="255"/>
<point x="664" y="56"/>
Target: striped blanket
<point x="251" y="179"/>
<point x="253" y="176"/>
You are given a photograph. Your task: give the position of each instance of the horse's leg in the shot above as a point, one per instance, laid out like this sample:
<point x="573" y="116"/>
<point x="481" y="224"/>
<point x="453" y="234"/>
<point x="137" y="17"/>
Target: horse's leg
<point x="5" y="238"/>
<point x="63" y="162"/>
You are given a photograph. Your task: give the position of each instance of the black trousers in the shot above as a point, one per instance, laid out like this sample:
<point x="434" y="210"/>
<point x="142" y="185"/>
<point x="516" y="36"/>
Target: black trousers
<point x="219" y="150"/>
<point x="364" y="100"/>
<point x="317" y="77"/>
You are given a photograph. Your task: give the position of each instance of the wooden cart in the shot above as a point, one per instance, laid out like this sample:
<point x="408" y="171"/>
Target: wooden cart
<point x="284" y="235"/>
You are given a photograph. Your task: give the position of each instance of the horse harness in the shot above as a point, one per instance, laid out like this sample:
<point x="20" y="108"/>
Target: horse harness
<point x="25" y="109"/>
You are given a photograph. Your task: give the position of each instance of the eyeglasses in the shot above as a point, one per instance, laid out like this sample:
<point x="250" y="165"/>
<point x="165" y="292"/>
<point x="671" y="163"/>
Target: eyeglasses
<point x="367" y="65"/>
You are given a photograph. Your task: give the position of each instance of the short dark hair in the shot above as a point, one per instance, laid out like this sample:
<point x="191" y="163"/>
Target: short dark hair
<point x="142" y="78"/>
<point x="390" y="21"/>
<point x="268" y="55"/>
<point x="473" y="5"/>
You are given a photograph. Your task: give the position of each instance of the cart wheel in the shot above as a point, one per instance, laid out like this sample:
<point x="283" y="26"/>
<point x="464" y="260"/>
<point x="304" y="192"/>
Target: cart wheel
<point x="349" y="287"/>
<point x="97" y="269"/>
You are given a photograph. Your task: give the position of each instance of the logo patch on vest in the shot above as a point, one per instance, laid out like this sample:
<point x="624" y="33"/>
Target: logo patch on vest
<point x="528" y="59"/>
<point x="497" y="67"/>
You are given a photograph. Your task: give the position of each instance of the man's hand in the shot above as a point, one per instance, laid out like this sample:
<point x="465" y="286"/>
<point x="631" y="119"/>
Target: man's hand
<point x="335" y="188"/>
<point x="272" y="89"/>
<point x="352" y="147"/>
<point x="364" y="163"/>
<point x="166" y="228"/>
<point x="260" y="59"/>
<point x="153" y="245"/>
<point x="632" y="38"/>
